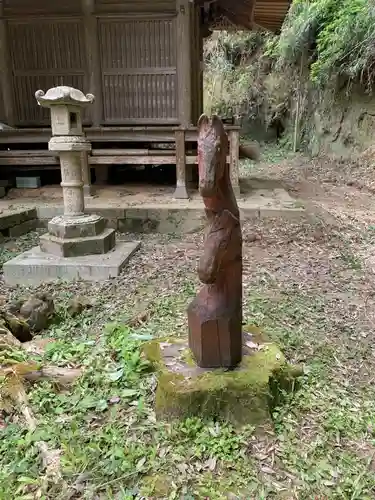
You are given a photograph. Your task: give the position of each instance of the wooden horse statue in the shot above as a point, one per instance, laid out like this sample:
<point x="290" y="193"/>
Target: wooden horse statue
<point x="215" y="315"/>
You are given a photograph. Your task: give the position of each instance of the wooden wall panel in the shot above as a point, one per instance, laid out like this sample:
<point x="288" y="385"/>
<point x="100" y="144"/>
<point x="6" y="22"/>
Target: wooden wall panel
<point x="44" y="53"/>
<point x="138" y="61"/>
<point x="140" y="99"/>
<point x="36" y="7"/>
<point x="28" y="113"/>
<point x="133" y="6"/>
<point x="46" y="45"/>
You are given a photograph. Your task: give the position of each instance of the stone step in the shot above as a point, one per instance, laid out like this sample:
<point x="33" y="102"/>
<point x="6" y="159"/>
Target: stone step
<point x="23" y="228"/>
<point x="170" y="218"/>
<point x="11" y="218"/>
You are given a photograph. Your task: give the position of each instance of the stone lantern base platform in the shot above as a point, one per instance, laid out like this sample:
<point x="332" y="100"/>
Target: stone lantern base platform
<point x="35" y="266"/>
<point x="73" y="247"/>
<point x="77" y="236"/>
<point x="246" y="395"/>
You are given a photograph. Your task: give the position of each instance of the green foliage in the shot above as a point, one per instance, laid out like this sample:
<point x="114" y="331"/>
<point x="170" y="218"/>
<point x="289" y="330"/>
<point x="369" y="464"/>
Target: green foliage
<point x="233" y="63"/>
<point x="324" y="47"/>
<point x="336" y="37"/>
<point x="238" y="81"/>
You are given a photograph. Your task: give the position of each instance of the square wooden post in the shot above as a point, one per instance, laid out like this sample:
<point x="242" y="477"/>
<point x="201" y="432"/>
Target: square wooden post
<point x="184" y="65"/>
<point x="234" y="154"/>
<point x="184" y="86"/>
<point x="181" y="191"/>
<point x="190" y="179"/>
<point x="93" y="73"/>
<point x="101" y="174"/>
<point x="6" y="71"/>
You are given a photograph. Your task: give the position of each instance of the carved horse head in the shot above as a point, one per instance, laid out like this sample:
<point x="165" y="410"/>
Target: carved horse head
<point x="212" y="156"/>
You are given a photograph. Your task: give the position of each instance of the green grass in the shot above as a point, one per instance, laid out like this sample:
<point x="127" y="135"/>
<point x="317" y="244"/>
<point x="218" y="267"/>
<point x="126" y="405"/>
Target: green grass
<point x="113" y="447"/>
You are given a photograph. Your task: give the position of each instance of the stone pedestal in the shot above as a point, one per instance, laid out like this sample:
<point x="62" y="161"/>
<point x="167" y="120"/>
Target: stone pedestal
<point x="243" y="396"/>
<point x="74" y="234"/>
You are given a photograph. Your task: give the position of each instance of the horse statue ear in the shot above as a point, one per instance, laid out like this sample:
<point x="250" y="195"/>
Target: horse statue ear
<point x="203" y="121"/>
<point x="217" y="125"/>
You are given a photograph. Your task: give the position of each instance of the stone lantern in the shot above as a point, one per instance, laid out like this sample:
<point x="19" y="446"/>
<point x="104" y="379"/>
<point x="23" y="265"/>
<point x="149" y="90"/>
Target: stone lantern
<point x="74" y="233"/>
<point x="77" y="245"/>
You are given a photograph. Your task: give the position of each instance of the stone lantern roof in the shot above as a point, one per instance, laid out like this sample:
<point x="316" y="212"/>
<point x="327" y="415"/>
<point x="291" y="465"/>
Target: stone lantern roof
<point x="63" y="95"/>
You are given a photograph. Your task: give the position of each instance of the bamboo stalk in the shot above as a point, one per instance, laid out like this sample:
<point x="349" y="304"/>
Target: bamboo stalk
<point x="298" y="106"/>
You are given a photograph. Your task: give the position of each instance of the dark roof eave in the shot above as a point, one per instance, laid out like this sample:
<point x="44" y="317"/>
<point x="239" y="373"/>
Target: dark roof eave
<point x="269" y="15"/>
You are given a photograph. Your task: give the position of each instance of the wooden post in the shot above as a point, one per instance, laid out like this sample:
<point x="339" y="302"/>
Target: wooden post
<point x="184" y="65"/>
<point x="94" y="80"/>
<point x="190" y="168"/>
<point x="200" y="65"/>
<point x="101" y="174"/>
<point x="234" y="154"/>
<point x="180" y="191"/>
<point x="184" y="86"/>
<point x="6" y="71"/>
<point x="86" y="175"/>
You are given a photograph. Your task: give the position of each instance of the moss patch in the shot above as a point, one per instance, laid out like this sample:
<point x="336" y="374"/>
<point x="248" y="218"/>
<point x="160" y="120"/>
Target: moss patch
<point x="158" y="486"/>
<point x="244" y="396"/>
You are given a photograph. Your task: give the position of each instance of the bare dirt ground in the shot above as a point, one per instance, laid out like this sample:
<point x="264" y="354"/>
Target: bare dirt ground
<point x="344" y="188"/>
<point x="307" y="283"/>
<point x="265" y="195"/>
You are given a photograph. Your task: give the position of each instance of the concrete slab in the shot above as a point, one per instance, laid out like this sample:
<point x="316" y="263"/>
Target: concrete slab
<point x="35" y="267"/>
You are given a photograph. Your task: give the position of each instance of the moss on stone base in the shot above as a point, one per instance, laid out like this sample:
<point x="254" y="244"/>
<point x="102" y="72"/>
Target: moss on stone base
<point x="157" y="486"/>
<point x="246" y="395"/>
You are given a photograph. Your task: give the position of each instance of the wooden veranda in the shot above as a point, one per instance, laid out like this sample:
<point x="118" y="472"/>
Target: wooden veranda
<point x="141" y="59"/>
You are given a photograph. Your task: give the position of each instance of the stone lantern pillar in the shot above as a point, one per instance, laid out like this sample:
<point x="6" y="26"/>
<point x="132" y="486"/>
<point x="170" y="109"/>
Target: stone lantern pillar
<point x="74" y="233"/>
<point x="68" y="140"/>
